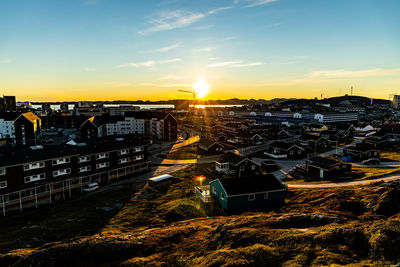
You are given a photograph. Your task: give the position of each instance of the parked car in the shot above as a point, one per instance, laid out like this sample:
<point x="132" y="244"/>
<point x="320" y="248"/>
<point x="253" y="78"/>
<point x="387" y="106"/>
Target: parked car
<point x="372" y="161"/>
<point x="91" y="187"/>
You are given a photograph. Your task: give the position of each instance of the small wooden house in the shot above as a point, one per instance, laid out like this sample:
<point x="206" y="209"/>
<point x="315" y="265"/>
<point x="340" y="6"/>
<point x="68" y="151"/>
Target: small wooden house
<point x="248" y="193"/>
<point x="318" y="167"/>
<point x="282" y="150"/>
<point x="210" y="145"/>
<point x="237" y="165"/>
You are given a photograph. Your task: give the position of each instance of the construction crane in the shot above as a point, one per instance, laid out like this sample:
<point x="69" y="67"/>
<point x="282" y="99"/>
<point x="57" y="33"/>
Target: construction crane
<point x="190" y="92"/>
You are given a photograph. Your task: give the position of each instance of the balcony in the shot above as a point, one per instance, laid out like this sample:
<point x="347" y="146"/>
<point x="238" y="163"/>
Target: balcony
<point x="203" y="192"/>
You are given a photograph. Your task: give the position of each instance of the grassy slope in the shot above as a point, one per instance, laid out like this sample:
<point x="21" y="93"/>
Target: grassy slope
<point x="315" y="227"/>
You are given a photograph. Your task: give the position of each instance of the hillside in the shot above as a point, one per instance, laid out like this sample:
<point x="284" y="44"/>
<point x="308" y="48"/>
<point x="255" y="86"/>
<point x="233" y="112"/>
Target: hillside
<point x="357" y="225"/>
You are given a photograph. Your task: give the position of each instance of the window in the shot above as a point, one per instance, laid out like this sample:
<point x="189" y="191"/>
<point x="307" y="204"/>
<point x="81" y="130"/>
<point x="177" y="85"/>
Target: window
<point x="2" y="171"/>
<point x="3" y="184"/>
<point x="102" y="165"/>
<point x="214" y="190"/>
<point x="253" y="167"/>
<point x="84" y="169"/>
<point x="61" y="172"/>
<point x="138" y="149"/>
<point x="60" y="161"/>
<point x="241" y="168"/>
<point x="122" y="161"/>
<point x="252" y="197"/>
<point x="266" y="195"/>
<point x="139" y="157"/>
<point x="33" y="166"/>
<point x="291" y="152"/>
<point x="84" y="159"/>
<point x="222" y="196"/>
<point x="34" y="178"/>
<point x="102" y="156"/>
<point x="123" y="152"/>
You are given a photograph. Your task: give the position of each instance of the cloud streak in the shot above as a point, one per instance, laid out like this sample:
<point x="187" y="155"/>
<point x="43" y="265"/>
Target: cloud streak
<point x="234" y="64"/>
<point x="169" y="20"/>
<point x="338" y="74"/>
<point x="149" y="63"/>
<point x="260" y="3"/>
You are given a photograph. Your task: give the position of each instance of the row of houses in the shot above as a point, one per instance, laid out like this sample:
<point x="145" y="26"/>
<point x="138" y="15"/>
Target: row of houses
<point x="163" y="126"/>
<point x="20" y="128"/>
<point x="243" y="184"/>
<point x="29" y="173"/>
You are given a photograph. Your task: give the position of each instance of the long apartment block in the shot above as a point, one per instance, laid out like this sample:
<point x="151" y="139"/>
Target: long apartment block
<point x="29" y="174"/>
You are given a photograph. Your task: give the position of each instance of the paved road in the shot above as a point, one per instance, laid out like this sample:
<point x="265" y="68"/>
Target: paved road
<point x="343" y="184"/>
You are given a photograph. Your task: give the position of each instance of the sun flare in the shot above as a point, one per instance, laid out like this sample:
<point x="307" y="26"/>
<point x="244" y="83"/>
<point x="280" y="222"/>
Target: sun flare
<point x="201" y="88"/>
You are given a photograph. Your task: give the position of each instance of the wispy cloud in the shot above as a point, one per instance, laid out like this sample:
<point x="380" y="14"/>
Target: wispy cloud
<point x="302" y="57"/>
<point x="216" y="10"/>
<point x="172" y="77"/>
<point x="170" y="60"/>
<point x="204" y="49"/>
<point x="259" y="2"/>
<point x="5" y="61"/>
<point x="149" y="63"/>
<point x="276" y="24"/>
<point x="172" y="20"/>
<point x="178" y="85"/>
<point x="166" y="85"/>
<point x="234" y="64"/>
<point x="169" y="20"/>
<point x="337" y="74"/>
<point x="168" y="48"/>
<point x="89" y="69"/>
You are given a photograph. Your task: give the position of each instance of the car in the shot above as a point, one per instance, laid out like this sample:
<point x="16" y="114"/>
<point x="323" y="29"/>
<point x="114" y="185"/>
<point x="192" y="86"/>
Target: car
<point x="372" y="161"/>
<point x="91" y="187"/>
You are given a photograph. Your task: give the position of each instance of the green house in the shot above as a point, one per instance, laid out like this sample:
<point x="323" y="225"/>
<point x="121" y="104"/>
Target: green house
<point x="246" y="193"/>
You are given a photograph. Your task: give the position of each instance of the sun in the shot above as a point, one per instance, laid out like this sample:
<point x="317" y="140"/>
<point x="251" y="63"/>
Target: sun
<point x="200" y="88"/>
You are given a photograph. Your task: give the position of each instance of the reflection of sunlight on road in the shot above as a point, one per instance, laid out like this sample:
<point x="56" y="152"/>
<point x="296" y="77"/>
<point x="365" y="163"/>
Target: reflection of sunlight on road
<point x="176" y="164"/>
<point x="187" y="142"/>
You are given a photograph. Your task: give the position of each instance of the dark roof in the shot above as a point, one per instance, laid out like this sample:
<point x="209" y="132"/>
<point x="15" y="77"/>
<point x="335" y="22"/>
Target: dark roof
<point x="268" y="162"/>
<point x="206" y="142"/>
<point x="231" y="157"/>
<point x="309" y="136"/>
<point x="359" y="148"/>
<point x="18" y="155"/>
<point x="251" y="184"/>
<point x="343" y="126"/>
<point x="282" y="145"/>
<point x="96" y="121"/>
<point x="30" y="116"/>
<point x="323" y="163"/>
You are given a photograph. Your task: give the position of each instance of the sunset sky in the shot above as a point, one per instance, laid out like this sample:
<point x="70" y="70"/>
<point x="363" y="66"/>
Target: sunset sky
<point x="124" y="49"/>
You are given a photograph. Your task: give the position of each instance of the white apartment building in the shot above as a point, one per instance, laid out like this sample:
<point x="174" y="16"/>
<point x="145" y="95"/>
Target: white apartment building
<point x="7" y="129"/>
<point x="129" y="125"/>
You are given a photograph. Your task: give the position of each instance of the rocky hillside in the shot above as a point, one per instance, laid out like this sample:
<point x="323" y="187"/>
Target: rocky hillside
<point x="357" y="225"/>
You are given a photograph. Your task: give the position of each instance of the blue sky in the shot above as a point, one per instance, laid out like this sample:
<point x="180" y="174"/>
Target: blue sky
<point x="120" y="49"/>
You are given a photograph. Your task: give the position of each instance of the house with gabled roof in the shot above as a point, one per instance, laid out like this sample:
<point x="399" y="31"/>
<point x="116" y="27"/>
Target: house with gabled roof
<point x="283" y="150"/>
<point x="210" y="145"/>
<point x="27" y="128"/>
<point x="318" y="167"/>
<point x="92" y="128"/>
<point x="258" y="191"/>
<point x="236" y="165"/>
<point x="360" y="152"/>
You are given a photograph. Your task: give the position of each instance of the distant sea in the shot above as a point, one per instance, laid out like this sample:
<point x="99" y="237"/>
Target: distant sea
<point x="149" y="106"/>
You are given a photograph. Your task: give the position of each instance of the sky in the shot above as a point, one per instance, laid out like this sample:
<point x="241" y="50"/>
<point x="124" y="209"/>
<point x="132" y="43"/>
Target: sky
<point x="52" y="50"/>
